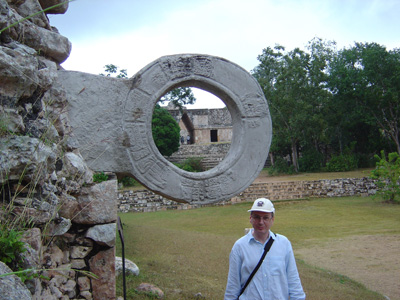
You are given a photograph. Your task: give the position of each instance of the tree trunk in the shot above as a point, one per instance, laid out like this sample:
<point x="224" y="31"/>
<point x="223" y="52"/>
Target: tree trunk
<point x="295" y="156"/>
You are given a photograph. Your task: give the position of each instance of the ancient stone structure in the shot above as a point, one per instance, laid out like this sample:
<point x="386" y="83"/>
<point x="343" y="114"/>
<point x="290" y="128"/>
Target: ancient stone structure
<point x="45" y="183"/>
<point x="125" y="145"/>
<point x="57" y="127"/>
<point x="204" y="126"/>
<point x="147" y="201"/>
<point x="211" y="154"/>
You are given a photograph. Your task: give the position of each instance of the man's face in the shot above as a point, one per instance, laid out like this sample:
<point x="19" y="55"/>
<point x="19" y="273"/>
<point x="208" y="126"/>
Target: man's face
<point x="261" y="221"/>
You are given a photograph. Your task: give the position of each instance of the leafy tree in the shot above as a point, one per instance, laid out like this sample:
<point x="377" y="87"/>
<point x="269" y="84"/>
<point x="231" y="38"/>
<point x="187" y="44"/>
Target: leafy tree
<point x="294" y="84"/>
<point x="112" y="70"/>
<point x="166" y="131"/>
<point x="179" y="97"/>
<point x="366" y="88"/>
<point x="387" y="173"/>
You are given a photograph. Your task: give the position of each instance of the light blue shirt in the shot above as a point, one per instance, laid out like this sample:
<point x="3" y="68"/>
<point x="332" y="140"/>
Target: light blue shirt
<point x="277" y="278"/>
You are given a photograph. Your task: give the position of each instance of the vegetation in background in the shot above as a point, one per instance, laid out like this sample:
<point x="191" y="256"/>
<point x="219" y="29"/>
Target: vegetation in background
<point x="112" y="70"/>
<point x="193" y="246"/>
<point x="179" y="97"/>
<point x="387" y="173"/>
<point x="323" y="101"/>
<point x="166" y="131"/>
<point x="99" y="177"/>
<point x="128" y="181"/>
<point x="192" y="164"/>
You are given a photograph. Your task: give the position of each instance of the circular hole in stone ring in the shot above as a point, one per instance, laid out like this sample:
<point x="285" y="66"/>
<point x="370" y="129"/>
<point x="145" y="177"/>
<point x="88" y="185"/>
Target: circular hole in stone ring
<point x="251" y="131"/>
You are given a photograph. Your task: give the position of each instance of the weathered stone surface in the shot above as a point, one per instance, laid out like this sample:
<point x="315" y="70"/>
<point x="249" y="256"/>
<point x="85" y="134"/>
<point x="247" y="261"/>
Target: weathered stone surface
<point x="33" y="238"/>
<point x="78" y="264"/>
<point x="58" y="227"/>
<point x="69" y="288"/>
<point x="151" y="289"/>
<point x="103" y="234"/>
<point x="25" y="155"/>
<point x="11" y="287"/>
<point x="32" y="215"/>
<point x="18" y="76"/>
<point x="130" y="267"/>
<point x="95" y="100"/>
<point x="87" y="295"/>
<point x="69" y="206"/>
<point x="25" y="9"/>
<point x="11" y="120"/>
<point x="84" y="283"/>
<point x="61" y="9"/>
<point x="80" y="251"/>
<point x="97" y="204"/>
<point x="77" y="168"/>
<point x="103" y="265"/>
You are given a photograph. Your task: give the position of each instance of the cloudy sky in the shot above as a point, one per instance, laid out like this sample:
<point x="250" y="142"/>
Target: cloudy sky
<point x="132" y="33"/>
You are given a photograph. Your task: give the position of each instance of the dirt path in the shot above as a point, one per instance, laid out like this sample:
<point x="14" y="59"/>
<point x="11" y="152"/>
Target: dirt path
<point x="371" y="260"/>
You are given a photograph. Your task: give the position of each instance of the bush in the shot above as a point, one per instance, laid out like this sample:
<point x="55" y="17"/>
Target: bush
<point x="281" y="166"/>
<point x="191" y="164"/>
<point x="11" y="248"/>
<point x="100" y="177"/>
<point x="387" y="174"/>
<point x="310" y="161"/>
<point x="342" y="163"/>
<point x="128" y="181"/>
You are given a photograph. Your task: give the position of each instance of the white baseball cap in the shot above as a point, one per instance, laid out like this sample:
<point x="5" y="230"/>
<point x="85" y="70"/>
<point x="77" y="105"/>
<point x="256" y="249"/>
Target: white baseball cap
<point x="263" y="205"/>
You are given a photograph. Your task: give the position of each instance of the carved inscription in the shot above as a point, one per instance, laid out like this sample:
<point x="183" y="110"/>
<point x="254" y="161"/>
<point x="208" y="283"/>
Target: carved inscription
<point x="254" y="105"/>
<point x="179" y="67"/>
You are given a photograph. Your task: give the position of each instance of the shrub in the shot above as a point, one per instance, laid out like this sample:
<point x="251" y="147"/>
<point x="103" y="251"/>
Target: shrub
<point x="281" y="166"/>
<point x="387" y="174"/>
<point x="310" y="161"/>
<point x="127" y="181"/>
<point x="192" y="164"/>
<point x="11" y="247"/>
<point x="99" y="177"/>
<point x="342" y="163"/>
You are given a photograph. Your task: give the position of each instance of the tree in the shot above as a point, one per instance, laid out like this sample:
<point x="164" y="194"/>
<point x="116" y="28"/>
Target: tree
<point x="179" y="97"/>
<point x="294" y="84"/>
<point x="166" y="131"/>
<point x="112" y="70"/>
<point x="387" y="173"/>
<point x="365" y="81"/>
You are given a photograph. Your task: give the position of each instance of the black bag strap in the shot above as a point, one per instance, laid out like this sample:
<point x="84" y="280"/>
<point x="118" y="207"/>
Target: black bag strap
<point x="266" y="249"/>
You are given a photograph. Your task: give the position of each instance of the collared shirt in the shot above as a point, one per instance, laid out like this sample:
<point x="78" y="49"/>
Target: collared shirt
<point x="277" y="278"/>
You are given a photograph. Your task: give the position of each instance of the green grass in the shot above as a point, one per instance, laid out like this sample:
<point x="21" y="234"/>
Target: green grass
<point x="186" y="252"/>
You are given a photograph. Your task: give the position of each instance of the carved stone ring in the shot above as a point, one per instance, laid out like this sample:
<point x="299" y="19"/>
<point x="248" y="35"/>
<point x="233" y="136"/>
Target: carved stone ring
<point x="251" y="136"/>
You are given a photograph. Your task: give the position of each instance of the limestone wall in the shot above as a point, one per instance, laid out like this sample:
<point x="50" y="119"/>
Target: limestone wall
<point x="147" y="201"/>
<point x="46" y="186"/>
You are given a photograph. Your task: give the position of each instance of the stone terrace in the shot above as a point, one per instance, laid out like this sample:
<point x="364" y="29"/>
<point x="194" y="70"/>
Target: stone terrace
<point x="147" y="201"/>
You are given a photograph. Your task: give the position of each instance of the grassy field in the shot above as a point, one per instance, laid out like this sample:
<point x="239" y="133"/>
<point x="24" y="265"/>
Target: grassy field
<point x="186" y="252"/>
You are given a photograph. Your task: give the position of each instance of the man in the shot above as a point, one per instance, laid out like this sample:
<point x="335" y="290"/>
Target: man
<point x="277" y="277"/>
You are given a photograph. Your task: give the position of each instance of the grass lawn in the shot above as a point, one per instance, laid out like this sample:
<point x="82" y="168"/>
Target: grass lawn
<point x="186" y="252"/>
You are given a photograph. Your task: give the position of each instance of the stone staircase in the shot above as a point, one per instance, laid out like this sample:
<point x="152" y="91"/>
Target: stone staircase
<point x="212" y="154"/>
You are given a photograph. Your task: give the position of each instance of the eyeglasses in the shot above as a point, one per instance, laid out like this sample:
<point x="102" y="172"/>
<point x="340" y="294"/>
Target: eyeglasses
<point x="258" y="218"/>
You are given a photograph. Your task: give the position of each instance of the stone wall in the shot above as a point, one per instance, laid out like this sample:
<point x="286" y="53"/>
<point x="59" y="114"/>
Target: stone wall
<point x="147" y="201"/>
<point x="46" y="185"/>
